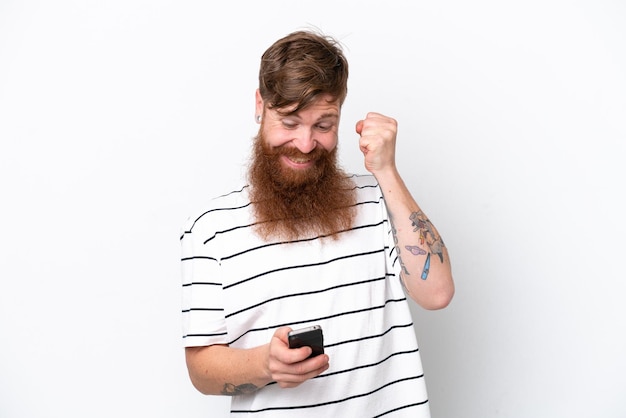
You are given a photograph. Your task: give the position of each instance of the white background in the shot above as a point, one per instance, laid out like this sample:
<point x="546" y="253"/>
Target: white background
<point x="118" y="118"/>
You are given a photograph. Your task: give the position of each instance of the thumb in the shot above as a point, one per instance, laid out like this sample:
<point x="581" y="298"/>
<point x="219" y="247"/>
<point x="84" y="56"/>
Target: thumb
<point x="281" y="333"/>
<point x="359" y="127"/>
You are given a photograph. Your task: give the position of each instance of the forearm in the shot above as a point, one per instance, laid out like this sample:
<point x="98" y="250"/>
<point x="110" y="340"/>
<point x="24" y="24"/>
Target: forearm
<point x="221" y="370"/>
<point x="424" y="260"/>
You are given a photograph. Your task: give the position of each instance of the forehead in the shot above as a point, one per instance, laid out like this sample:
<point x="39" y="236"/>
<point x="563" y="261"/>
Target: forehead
<point x="323" y="106"/>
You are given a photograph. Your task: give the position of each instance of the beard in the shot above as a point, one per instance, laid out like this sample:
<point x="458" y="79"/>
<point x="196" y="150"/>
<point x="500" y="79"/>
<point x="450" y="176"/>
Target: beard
<point x="304" y="203"/>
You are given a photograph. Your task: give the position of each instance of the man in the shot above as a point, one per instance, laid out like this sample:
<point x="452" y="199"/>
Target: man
<point x="306" y="244"/>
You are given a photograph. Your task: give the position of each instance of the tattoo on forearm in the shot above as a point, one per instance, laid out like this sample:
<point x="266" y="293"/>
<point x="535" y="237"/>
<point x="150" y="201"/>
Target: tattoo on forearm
<point x="234" y="390"/>
<point x="427" y="234"/>
<point x="426" y="268"/>
<point x="428" y="238"/>
<point x="395" y="241"/>
<point x="415" y="250"/>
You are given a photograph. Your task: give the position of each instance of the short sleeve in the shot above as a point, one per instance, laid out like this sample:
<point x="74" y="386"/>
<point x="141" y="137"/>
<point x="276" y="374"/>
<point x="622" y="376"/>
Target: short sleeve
<point x="393" y="260"/>
<point x="203" y="321"/>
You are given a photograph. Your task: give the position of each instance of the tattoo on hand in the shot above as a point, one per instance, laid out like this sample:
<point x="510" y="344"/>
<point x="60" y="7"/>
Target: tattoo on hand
<point x="232" y="390"/>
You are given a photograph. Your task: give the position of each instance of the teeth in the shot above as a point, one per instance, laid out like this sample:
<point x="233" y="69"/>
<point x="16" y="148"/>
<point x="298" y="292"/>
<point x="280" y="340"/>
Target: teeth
<point x="299" y="160"/>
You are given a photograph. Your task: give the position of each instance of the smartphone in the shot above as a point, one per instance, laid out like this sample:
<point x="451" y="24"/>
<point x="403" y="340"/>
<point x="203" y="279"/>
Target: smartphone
<point x="309" y="336"/>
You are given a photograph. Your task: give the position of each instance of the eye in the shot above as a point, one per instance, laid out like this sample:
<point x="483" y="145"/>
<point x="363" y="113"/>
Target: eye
<point x="289" y="124"/>
<point x="324" y="127"/>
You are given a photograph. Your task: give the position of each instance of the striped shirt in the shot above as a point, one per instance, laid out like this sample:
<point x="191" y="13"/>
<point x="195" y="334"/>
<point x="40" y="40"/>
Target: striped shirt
<point x="237" y="289"/>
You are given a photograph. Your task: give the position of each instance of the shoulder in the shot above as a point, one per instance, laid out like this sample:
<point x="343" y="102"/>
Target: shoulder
<point x="364" y="180"/>
<point x="213" y="211"/>
<point x="366" y="186"/>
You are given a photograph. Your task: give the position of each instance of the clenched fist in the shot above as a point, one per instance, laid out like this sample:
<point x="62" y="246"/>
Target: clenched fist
<point x="378" y="141"/>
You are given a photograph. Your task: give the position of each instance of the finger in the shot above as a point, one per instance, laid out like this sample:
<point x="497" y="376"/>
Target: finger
<point x="282" y="334"/>
<point x="282" y="352"/>
<point x="297" y="355"/>
<point x="302" y="371"/>
<point x="359" y="127"/>
<point x="363" y="145"/>
<point x="307" y="366"/>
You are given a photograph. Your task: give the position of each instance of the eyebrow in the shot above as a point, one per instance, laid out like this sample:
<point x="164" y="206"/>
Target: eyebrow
<point x="329" y="115"/>
<point x="324" y="116"/>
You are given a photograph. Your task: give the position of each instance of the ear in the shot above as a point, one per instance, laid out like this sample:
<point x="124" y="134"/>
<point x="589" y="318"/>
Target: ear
<point x="259" y="103"/>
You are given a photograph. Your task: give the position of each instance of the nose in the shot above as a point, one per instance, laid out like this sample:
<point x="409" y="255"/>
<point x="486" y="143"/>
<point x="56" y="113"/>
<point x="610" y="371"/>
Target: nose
<point x="305" y="141"/>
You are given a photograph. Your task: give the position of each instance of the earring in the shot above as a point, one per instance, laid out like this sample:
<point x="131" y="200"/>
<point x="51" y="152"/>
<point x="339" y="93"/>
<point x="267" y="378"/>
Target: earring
<point x="258" y="118"/>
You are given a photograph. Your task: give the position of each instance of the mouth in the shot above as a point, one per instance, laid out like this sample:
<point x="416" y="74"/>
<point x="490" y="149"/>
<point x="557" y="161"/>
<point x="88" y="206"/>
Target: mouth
<point x="298" y="161"/>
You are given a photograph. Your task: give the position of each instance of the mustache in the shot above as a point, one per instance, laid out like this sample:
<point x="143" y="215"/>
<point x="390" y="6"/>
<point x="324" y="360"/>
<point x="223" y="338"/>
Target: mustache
<point x="291" y="151"/>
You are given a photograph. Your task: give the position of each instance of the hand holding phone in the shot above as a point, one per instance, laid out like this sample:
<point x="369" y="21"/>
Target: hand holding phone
<point x="309" y="336"/>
